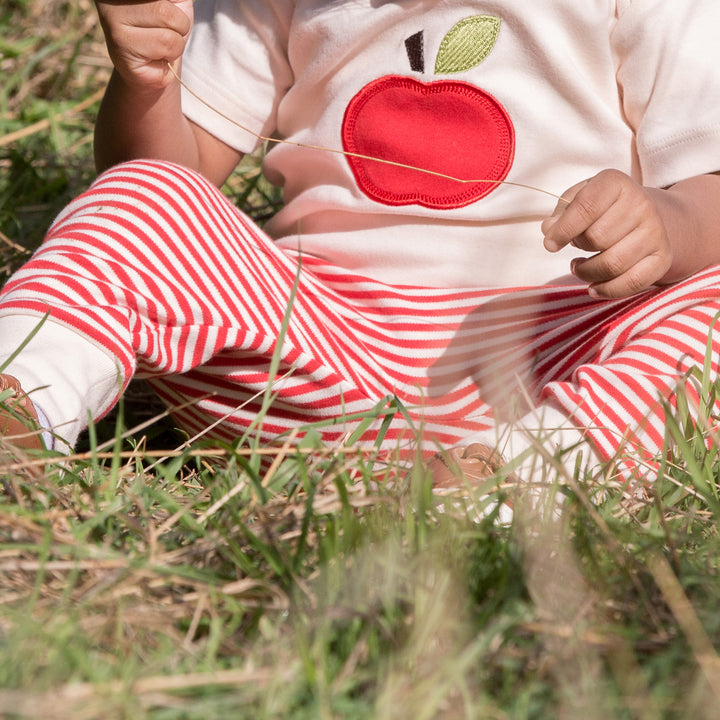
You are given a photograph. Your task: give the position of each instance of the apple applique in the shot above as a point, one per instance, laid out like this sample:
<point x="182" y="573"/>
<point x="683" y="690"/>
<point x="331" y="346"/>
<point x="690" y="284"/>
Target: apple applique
<point x="448" y="128"/>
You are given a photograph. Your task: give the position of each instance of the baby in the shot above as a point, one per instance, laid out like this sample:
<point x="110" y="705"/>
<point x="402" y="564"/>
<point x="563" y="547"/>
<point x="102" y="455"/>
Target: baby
<point x="418" y="270"/>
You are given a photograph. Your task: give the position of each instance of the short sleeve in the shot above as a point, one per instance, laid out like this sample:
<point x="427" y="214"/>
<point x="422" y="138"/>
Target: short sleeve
<point x="236" y="67"/>
<point x="668" y="71"/>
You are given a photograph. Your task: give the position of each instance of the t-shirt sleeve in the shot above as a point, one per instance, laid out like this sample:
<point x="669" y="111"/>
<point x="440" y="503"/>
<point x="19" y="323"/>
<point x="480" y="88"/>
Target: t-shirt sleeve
<point x="236" y="66"/>
<point x="668" y="59"/>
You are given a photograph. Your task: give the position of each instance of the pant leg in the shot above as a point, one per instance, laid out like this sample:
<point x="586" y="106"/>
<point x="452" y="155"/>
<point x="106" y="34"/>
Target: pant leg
<point x="647" y="357"/>
<point x="156" y="269"/>
<point x="602" y="372"/>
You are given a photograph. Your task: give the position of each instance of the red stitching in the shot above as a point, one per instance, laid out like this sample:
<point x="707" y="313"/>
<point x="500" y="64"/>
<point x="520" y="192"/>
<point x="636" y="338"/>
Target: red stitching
<point x="489" y="162"/>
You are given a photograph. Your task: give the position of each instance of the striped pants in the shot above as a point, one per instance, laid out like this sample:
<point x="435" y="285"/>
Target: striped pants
<point x="157" y="268"/>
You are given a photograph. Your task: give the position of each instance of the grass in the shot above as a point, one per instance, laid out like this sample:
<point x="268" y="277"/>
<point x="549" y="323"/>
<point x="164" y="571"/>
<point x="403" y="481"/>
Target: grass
<point x="142" y="581"/>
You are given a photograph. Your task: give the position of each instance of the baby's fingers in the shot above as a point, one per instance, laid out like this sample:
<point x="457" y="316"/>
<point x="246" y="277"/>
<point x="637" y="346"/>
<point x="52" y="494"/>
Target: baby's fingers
<point x="562" y="205"/>
<point x="622" y="270"/>
<point x="142" y="37"/>
<point x="590" y="202"/>
<point x="636" y="280"/>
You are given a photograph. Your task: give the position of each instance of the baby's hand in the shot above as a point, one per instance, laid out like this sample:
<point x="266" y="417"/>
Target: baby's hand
<point x="143" y="36"/>
<point x="617" y="219"/>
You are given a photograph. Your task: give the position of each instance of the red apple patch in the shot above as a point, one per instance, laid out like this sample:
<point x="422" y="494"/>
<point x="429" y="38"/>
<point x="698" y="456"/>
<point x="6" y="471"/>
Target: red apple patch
<point x="449" y="129"/>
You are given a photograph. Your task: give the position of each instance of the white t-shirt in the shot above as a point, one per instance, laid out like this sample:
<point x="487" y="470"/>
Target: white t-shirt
<point x="543" y="93"/>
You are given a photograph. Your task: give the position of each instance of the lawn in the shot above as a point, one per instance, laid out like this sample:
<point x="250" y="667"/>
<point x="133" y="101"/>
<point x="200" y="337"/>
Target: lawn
<point x="147" y="578"/>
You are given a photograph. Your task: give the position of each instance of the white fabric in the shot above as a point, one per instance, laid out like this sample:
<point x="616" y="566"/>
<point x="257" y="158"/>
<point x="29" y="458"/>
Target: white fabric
<point x="45" y="424"/>
<point x="626" y="84"/>
<point x="68" y="378"/>
<point x="544" y="446"/>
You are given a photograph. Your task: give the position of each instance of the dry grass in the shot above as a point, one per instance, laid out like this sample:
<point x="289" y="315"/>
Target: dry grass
<point x="63" y="59"/>
<point x="52" y="77"/>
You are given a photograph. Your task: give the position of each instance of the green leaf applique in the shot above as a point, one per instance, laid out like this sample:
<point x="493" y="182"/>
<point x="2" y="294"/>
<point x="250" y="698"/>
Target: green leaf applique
<point x="467" y="44"/>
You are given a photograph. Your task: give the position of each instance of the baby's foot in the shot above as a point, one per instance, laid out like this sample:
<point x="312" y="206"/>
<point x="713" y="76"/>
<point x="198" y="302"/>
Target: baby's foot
<point x="462" y="466"/>
<point x="459" y="470"/>
<point x="19" y="425"/>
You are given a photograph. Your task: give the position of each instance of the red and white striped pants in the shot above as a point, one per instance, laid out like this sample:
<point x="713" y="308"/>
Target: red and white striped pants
<point x="154" y="265"/>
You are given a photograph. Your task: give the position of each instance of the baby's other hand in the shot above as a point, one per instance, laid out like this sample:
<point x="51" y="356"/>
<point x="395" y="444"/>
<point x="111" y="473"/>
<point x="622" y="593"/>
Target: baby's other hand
<point x="616" y="218"/>
<point x="143" y="36"/>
